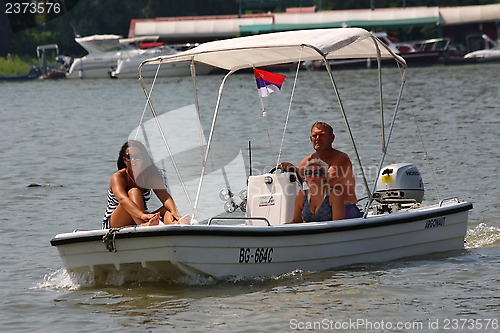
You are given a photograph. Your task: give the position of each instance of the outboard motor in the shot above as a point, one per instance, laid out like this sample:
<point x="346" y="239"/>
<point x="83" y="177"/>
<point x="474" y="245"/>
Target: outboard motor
<point x="271" y="196"/>
<point x="399" y="183"/>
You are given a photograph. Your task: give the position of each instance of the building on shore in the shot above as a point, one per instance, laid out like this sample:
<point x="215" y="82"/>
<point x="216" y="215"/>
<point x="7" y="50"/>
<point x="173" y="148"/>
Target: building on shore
<point x="460" y="24"/>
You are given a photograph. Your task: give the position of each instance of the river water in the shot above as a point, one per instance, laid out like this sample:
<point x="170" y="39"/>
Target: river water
<point x="59" y="144"/>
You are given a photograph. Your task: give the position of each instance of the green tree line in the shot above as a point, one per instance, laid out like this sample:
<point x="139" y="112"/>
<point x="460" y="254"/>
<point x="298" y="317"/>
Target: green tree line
<point x="88" y="17"/>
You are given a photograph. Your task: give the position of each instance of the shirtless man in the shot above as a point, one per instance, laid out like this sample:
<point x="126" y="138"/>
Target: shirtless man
<point x="340" y="166"/>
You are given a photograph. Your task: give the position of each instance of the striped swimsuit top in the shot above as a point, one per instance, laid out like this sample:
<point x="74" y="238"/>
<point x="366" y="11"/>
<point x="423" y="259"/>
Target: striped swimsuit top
<point x="113" y="203"/>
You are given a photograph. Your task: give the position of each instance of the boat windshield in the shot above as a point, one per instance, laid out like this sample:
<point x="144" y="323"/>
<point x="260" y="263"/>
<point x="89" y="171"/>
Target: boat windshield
<point x="176" y="144"/>
<point x="118" y="48"/>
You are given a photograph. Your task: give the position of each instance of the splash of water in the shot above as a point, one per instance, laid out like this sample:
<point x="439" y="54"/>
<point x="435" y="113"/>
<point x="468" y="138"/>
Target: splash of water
<point x="62" y="279"/>
<point x="482" y="236"/>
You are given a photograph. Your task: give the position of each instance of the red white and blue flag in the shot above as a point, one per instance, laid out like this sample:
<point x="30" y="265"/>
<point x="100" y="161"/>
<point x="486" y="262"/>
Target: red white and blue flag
<point x="268" y="82"/>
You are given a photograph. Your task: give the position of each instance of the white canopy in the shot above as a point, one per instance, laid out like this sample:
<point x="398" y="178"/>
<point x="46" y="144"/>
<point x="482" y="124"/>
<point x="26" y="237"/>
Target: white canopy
<point x="284" y="47"/>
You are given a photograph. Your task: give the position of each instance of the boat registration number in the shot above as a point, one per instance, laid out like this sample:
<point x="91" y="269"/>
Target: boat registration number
<point x="433" y="223"/>
<point x="258" y="255"/>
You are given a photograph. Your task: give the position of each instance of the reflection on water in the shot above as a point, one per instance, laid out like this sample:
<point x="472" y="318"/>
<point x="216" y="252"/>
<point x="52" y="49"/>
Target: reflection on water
<point x="429" y="287"/>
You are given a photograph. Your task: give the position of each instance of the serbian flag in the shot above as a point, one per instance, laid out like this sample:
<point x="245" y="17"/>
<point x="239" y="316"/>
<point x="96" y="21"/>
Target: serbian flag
<point x="268" y="82"/>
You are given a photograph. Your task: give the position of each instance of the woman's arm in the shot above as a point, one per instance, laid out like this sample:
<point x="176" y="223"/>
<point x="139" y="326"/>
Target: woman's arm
<point x="297" y="210"/>
<point x="171" y="214"/>
<point x="134" y="210"/>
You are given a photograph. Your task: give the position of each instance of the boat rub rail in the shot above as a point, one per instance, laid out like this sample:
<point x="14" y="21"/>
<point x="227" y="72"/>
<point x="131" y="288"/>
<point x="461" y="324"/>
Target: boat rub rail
<point x="282" y="230"/>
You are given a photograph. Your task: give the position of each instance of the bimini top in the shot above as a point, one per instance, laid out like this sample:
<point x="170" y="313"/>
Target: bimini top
<point x="284" y="47"/>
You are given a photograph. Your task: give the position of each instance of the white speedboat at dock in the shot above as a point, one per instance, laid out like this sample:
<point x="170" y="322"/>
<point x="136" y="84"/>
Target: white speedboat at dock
<point x="395" y="222"/>
<point x="129" y="67"/>
<point x="103" y="52"/>
<point x="490" y="53"/>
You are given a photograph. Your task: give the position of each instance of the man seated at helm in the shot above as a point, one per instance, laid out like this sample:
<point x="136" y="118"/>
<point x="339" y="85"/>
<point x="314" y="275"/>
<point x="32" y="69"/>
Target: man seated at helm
<point x="339" y="166"/>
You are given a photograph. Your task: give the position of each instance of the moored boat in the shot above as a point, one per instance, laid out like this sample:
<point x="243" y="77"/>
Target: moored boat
<point x="52" y="70"/>
<point x="129" y="67"/>
<point x="490" y="53"/>
<point x="480" y="49"/>
<point x="103" y="52"/>
<point x="395" y="222"/>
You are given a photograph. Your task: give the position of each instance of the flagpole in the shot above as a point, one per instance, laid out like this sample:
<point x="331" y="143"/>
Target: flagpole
<point x="267" y="82"/>
<point x="264" y="114"/>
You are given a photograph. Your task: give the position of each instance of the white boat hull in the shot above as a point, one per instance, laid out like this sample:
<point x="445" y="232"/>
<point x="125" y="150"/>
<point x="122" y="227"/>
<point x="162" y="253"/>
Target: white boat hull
<point x="259" y="251"/>
<point x="168" y="70"/>
<point x="129" y="69"/>
<point x="98" y="67"/>
<point x="484" y="55"/>
<point x="86" y="68"/>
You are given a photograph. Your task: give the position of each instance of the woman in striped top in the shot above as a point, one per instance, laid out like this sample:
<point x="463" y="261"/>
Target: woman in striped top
<point x="130" y="189"/>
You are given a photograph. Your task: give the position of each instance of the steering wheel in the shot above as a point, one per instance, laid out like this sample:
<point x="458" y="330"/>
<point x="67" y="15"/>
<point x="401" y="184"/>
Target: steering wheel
<point x="299" y="178"/>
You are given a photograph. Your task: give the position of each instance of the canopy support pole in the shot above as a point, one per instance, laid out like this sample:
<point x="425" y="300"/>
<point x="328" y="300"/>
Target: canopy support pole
<point x="381" y="97"/>
<point x="384" y="150"/>
<point x="348" y="126"/>
<point x="290" y="105"/>
<point x="385" y="142"/>
<point x="197" y="106"/>
<point x="209" y="143"/>
<point x="160" y="129"/>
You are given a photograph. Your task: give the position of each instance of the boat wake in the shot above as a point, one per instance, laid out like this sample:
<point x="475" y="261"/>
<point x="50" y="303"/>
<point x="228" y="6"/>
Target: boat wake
<point x="64" y="280"/>
<point x="481" y="236"/>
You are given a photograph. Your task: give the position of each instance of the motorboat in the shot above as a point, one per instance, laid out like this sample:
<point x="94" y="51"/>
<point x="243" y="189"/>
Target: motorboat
<point x="52" y="70"/>
<point x="484" y="55"/>
<point x="103" y="53"/>
<point x="490" y="53"/>
<point x="129" y="67"/>
<point x="478" y="49"/>
<point x="259" y="242"/>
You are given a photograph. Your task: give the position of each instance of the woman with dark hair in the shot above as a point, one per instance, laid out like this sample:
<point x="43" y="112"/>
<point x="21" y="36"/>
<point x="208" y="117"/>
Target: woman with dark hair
<point x="130" y="189"/>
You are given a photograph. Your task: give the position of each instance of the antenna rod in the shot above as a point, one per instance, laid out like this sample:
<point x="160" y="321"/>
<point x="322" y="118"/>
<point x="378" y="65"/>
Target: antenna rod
<point x="250" y="156"/>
